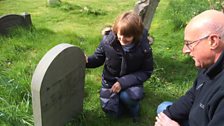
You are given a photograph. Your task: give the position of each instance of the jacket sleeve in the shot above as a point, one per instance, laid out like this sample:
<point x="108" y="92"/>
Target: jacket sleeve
<point x="138" y="77"/>
<point x="98" y="58"/>
<point x="180" y="109"/>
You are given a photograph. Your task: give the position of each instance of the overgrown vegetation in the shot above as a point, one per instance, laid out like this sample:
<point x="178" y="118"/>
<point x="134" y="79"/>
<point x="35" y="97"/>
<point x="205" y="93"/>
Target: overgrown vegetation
<point x="182" y="11"/>
<point x="80" y="23"/>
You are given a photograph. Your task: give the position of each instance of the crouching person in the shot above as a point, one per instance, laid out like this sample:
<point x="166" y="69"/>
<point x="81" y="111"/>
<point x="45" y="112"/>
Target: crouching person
<point x="128" y="63"/>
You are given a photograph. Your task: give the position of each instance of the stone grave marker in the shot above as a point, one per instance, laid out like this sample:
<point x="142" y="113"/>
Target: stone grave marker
<point x="53" y="2"/>
<point x="146" y="9"/>
<point x="13" y="20"/>
<point x="58" y="86"/>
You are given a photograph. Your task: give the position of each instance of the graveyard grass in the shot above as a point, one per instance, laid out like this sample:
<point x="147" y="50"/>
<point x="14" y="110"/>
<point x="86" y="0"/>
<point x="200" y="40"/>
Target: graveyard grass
<point x="79" y="22"/>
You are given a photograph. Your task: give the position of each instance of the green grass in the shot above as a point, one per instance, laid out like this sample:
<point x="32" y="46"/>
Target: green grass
<point x="79" y="23"/>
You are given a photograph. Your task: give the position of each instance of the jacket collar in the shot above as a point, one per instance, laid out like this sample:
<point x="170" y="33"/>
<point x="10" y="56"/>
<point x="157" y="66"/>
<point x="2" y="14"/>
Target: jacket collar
<point x="110" y="38"/>
<point x="216" y="68"/>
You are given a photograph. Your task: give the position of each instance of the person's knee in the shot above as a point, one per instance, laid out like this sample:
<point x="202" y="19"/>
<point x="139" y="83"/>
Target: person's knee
<point x="126" y="99"/>
<point x="124" y="96"/>
<point x="162" y="106"/>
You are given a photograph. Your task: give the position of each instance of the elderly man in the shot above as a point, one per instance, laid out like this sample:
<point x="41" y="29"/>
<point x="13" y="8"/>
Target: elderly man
<point x="203" y="104"/>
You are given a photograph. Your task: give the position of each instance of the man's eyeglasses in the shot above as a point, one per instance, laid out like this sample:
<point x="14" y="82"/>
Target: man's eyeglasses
<point x="189" y="43"/>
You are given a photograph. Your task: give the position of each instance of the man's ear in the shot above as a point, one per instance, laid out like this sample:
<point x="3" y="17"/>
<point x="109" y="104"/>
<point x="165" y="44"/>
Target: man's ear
<point x="214" y="41"/>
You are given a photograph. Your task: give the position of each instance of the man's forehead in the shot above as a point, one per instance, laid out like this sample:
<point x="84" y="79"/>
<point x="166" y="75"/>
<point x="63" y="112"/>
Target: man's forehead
<point x="197" y="29"/>
<point x="205" y="22"/>
<point x="191" y="32"/>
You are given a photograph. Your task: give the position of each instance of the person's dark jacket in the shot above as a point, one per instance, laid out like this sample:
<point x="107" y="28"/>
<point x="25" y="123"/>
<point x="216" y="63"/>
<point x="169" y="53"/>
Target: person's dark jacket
<point x="203" y="104"/>
<point x="130" y="68"/>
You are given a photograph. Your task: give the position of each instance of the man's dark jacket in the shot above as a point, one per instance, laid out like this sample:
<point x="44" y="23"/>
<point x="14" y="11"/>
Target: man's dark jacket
<point x="130" y="68"/>
<point x="203" y="104"/>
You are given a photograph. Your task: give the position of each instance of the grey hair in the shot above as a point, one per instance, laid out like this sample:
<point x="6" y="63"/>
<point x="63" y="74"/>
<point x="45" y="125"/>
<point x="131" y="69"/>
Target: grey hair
<point x="219" y="29"/>
<point x="215" y="28"/>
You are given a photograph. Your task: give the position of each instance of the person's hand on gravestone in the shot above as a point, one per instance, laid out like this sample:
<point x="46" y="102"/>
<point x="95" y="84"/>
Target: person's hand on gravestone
<point x="86" y="58"/>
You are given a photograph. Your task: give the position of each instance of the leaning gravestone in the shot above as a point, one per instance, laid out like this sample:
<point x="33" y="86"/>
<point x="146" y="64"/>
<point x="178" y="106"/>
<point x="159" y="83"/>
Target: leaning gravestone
<point x="53" y="2"/>
<point x="13" y="20"/>
<point x="146" y="9"/>
<point x="58" y="86"/>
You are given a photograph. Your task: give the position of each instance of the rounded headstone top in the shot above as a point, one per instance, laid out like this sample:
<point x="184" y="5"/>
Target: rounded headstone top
<point x="58" y="86"/>
<point x="55" y="62"/>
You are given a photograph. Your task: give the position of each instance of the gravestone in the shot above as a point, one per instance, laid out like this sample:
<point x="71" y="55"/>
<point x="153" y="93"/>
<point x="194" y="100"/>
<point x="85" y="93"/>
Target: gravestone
<point x="58" y="86"/>
<point x="13" y="20"/>
<point x="146" y="9"/>
<point x="53" y="2"/>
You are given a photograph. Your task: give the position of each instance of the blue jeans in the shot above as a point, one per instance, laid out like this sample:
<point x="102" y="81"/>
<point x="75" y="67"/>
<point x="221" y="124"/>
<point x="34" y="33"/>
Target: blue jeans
<point x="131" y="105"/>
<point x="162" y="106"/>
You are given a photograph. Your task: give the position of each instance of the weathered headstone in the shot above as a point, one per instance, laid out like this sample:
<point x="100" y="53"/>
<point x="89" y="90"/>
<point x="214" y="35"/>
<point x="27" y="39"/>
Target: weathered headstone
<point x="146" y="9"/>
<point x="58" y="86"/>
<point x="53" y="2"/>
<point x="13" y="20"/>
